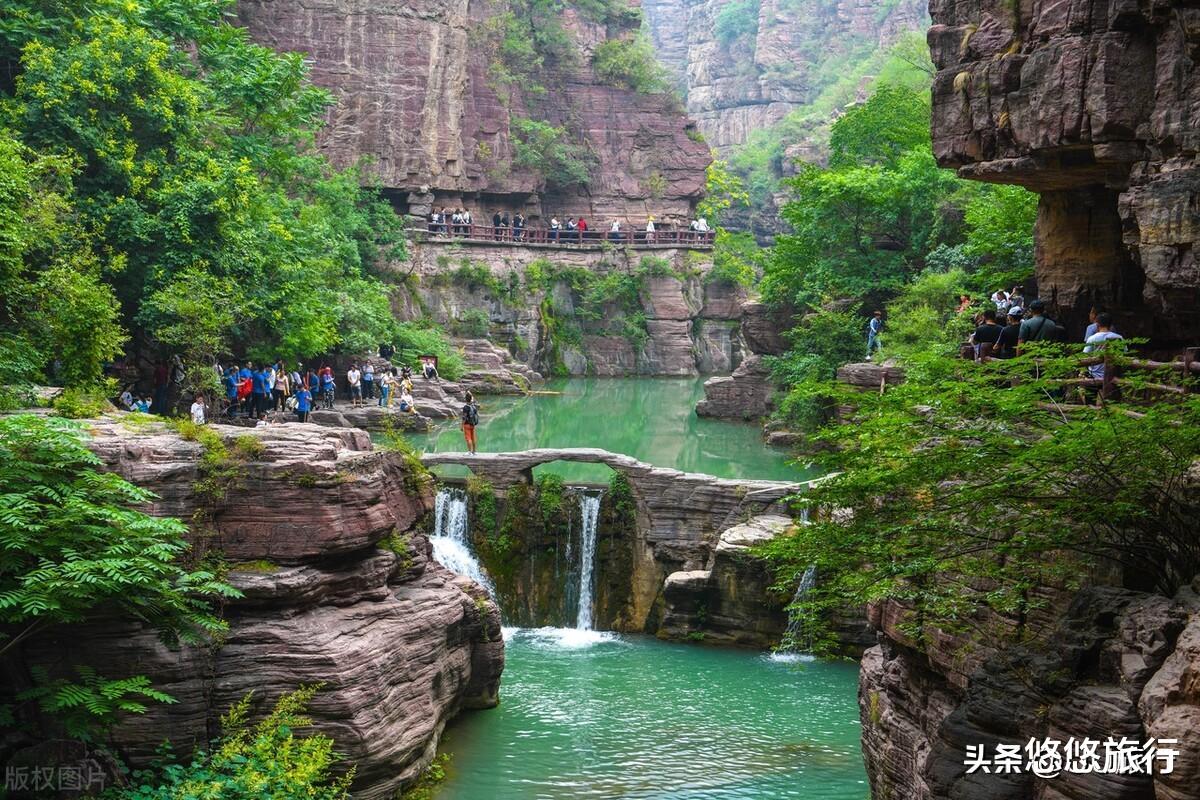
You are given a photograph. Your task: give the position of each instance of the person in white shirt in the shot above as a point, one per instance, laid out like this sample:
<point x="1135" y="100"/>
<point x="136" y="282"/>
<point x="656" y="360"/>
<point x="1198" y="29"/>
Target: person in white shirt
<point x="127" y="399"/>
<point x="1095" y="342"/>
<point x="1000" y="298"/>
<point x="198" y="409"/>
<point x="407" y="403"/>
<point x="650" y="229"/>
<point x="354" y="381"/>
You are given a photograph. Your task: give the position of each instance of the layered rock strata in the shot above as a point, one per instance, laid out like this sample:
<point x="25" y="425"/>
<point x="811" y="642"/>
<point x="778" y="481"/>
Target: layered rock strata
<point x="338" y="588"/>
<point x="1090" y="103"/>
<point x="748" y="393"/>
<point x="1117" y="663"/>
<point x="743" y="66"/>
<point x="417" y="94"/>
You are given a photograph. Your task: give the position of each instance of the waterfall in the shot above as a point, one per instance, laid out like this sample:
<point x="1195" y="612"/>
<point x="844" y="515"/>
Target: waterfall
<point x="451" y="544"/>
<point x="795" y="630"/>
<point x="589" y="512"/>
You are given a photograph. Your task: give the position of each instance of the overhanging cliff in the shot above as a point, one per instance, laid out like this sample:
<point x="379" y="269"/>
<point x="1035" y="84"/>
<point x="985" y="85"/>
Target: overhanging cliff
<point x="1092" y="104"/>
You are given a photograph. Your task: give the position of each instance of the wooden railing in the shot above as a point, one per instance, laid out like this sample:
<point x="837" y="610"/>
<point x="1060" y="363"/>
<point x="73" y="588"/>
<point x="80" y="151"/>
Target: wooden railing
<point x="627" y="236"/>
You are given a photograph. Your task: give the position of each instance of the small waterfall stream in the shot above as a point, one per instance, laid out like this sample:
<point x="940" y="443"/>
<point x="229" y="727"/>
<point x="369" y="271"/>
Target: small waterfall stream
<point x="795" y="641"/>
<point x="589" y="512"/>
<point x="451" y="540"/>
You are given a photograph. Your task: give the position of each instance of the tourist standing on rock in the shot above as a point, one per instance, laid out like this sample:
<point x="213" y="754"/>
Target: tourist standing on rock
<point x="327" y="386"/>
<point x="470" y="418"/>
<point x="198" y="409"/>
<point x="354" y="385"/>
<point x="281" y="389"/>
<point x="874" y="330"/>
<point x="230" y="382"/>
<point x="303" y="403"/>
<point x="160" y="387"/>
<point x="1006" y="347"/>
<point x="258" y="391"/>
<point x="368" y="381"/>
<point x="385" y="387"/>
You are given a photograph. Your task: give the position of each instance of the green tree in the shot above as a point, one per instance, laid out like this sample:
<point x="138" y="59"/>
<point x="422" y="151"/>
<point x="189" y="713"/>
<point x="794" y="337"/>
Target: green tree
<point x="968" y="486"/>
<point x="182" y="148"/>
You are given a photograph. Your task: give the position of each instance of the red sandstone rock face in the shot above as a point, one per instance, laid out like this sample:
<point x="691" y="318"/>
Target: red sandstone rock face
<point x="400" y="643"/>
<point x="414" y="94"/>
<point x="1092" y="104"/>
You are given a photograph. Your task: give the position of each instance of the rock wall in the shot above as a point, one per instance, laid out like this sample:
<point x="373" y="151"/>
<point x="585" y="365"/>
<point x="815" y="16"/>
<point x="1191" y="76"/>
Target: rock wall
<point x="740" y="84"/>
<point x="416" y="93"/>
<point x="1092" y="104"/>
<point x="1117" y="663"/>
<point x="339" y="588"/>
<point x="692" y="326"/>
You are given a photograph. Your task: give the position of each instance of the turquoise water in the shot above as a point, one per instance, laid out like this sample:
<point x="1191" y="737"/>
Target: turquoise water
<point x="591" y="715"/>
<point x="651" y="419"/>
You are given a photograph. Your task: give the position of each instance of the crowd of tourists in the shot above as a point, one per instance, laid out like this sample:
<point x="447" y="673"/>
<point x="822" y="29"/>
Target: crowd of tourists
<point x="504" y="227"/>
<point x="261" y="392"/>
<point x="1006" y="324"/>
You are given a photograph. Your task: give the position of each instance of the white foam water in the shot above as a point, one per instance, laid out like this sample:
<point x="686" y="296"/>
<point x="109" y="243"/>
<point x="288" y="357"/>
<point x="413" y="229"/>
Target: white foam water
<point x="566" y="638"/>
<point x="589" y="511"/>
<point x="451" y="541"/>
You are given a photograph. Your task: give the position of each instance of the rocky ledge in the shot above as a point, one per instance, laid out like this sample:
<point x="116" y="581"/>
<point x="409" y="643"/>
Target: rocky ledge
<point x="320" y="532"/>
<point x="1118" y="663"/>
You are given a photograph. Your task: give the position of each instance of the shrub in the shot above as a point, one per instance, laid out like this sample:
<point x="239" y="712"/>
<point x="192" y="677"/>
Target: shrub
<point x="83" y="402"/>
<point x="548" y="150"/>
<point x="252" y="761"/>
<point x="473" y="323"/>
<point x="414" y="339"/>
<point x="629" y="64"/>
<point x="736" y="20"/>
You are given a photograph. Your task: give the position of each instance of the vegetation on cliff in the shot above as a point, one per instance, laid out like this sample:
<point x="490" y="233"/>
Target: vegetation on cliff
<point x="73" y="548"/>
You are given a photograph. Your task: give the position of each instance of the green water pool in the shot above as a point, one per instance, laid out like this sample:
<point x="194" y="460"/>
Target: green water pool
<point x="593" y="715"/>
<point x="651" y="419"/>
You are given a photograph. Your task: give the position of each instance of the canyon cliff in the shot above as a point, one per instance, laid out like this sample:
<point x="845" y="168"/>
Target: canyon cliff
<point x="1090" y="103"/>
<point x="743" y="66"/>
<point x="421" y="91"/>
<point x="320" y="534"/>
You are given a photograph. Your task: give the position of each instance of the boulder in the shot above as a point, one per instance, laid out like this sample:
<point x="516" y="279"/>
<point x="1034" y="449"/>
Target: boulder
<point x="746" y="394"/>
<point x="338" y="588"/>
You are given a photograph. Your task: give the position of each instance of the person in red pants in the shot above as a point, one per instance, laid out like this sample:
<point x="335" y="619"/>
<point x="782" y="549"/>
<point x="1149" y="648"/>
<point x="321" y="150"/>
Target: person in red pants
<point x="470" y="418"/>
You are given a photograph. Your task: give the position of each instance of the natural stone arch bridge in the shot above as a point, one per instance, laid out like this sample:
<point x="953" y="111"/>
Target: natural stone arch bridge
<point x="680" y="514"/>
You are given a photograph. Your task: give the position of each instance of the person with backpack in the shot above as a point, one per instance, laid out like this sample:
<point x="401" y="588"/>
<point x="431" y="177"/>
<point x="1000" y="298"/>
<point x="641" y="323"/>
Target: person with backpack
<point x="1038" y="327"/>
<point x="303" y="403"/>
<point x="470" y="418"/>
<point x="874" y="329"/>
